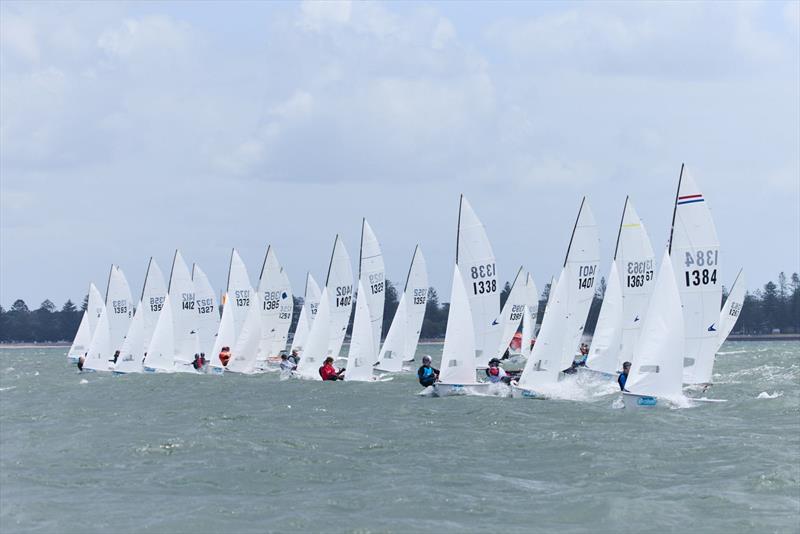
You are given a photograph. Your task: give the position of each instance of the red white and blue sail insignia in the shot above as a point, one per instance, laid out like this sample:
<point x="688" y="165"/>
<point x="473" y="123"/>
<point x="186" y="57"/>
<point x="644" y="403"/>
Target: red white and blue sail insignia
<point x="689" y="199"/>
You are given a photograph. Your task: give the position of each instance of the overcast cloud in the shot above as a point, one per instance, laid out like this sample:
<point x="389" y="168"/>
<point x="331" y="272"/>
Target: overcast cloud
<point x="129" y="129"/>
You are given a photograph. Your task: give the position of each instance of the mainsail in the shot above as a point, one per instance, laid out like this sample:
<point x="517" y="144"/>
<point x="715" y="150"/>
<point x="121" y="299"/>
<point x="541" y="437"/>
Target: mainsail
<point x="362" y="353"/>
<point x="207" y="311"/>
<point x="371" y="274"/>
<point x="732" y="308"/>
<point x="458" y="354"/>
<point x="307" y="313"/>
<point x="339" y="286"/>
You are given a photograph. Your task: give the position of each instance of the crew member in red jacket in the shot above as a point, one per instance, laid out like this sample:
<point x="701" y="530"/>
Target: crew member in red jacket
<point x="329" y="372"/>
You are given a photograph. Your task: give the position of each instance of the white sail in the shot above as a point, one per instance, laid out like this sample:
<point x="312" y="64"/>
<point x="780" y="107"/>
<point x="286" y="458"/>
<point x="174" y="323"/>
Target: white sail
<point x="245" y="353"/>
<point x="99" y="355"/>
<point x="285" y="313"/>
<point x="607" y="338"/>
<point x="339" y="285"/>
<point x="119" y="307"/>
<point x="403" y="336"/>
<point x="307" y="313"/>
<point x="458" y="354"/>
<point x="316" y="349"/>
<point x="161" y="352"/>
<point x="636" y="264"/>
<point x="271" y="294"/>
<point x="207" y="311"/>
<point x="133" y="348"/>
<point x="239" y="291"/>
<point x="184" y="312"/>
<point x="89" y="320"/>
<point x="551" y="288"/>
<point x="732" y="308"/>
<point x="506" y="324"/>
<point x="529" y="316"/>
<point x="371" y="273"/>
<point x="657" y="366"/>
<point x="362" y="353"/>
<point x="694" y="249"/>
<point x="226" y="337"/>
<point x="154" y="292"/>
<point x="476" y="261"/>
<point x="555" y="349"/>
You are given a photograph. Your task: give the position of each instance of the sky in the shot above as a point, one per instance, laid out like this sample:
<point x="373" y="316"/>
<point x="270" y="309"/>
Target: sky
<point x="130" y="129"/>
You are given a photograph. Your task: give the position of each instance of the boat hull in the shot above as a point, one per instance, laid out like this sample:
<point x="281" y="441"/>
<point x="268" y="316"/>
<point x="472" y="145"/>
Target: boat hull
<point x="518" y="392"/>
<point x="600" y="375"/>
<point x="632" y="401"/>
<point x="450" y="390"/>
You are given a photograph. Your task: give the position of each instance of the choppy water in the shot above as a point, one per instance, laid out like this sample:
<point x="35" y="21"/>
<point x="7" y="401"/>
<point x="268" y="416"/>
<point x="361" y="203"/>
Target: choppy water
<point x="181" y="453"/>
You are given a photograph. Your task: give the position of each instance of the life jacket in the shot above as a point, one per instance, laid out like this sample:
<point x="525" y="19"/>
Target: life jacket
<point x="426" y="375"/>
<point x="327" y="372"/>
<point x="224" y="357"/>
<point x="492" y="371"/>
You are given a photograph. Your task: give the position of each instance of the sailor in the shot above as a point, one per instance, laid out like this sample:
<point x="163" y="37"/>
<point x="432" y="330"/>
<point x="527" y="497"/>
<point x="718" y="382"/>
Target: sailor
<point x="623" y="376"/>
<point x="494" y="372"/>
<point x="116" y="356"/>
<point x="199" y="361"/>
<point x="286" y="363"/>
<point x="81" y="361"/>
<point x="426" y="374"/>
<point x="329" y="372"/>
<point x="294" y="358"/>
<point x="581" y="361"/>
<point x="225" y="356"/>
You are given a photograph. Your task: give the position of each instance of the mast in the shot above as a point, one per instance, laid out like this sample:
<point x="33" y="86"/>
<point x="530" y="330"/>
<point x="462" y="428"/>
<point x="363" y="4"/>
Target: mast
<point x="573" y="231"/>
<point x="263" y="265"/>
<point x="146" y="276"/>
<point x="458" y="228"/>
<point x="172" y="270"/>
<point x="230" y="264"/>
<point x="411" y="266"/>
<point x="619" y="233"/>
<point x="361" y="247"/>
<point x="108" y="284"/>
<point x="330" y="265"/>
<point x="675" y="210"/>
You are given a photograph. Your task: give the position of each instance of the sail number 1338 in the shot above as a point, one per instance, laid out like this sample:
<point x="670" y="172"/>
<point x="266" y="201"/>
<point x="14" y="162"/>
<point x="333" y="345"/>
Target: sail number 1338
<point x="483" y="277"/>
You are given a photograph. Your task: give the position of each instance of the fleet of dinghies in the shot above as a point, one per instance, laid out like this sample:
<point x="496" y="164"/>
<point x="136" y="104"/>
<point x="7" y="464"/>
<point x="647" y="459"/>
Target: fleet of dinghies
<point x="665" y="322"/>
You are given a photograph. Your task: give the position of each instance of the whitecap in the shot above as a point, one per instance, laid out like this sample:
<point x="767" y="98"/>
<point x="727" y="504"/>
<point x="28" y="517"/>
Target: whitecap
<point x="84" y="381"/>
<point x="765" y="395"/>
<point x="8" y="388"/>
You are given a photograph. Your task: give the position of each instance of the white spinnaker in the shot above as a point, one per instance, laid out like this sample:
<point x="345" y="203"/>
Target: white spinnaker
<point x="285" y="312"/>
<point x="307" y="313"/>
<point x="89" y="320"/>
<point x="184" y="314"/>
<point x="161" y="352"/>
<point x="339" y="285"/>
<point x="694" y="249"/>
<point x="371" y="274"/>
<point x="239" y="291"/>
<point x="207" y="311"/>
<point x="657" y="366"/>
<point x="133" y="349"/>
<point x="362" y="353"/>
<point x="270" y="291"/>
<point x="458" y="354"/>
<point x="636" y="265"/>
<point x="119" y="307"/>
<point x="732" y="308"/>
<point x="154" y="292"/>
<point x="573" y="297"/>
<point x="226" y="336"/>
<point x="403" y="336"/>
<point x="506" y="324"/>
<point x="245" y="353"/>
<point x="100" y="352"/>
<point x="607" y="338"/>
<point x="476" y="261"/>
<point x="316" y="349"/>
<point x="542" y="366"/>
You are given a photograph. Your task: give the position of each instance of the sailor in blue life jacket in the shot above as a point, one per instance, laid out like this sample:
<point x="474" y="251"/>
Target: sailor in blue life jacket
<point x="623" y="376"/>
<point x="495" y="373"/>
<point x="426" y="374"/>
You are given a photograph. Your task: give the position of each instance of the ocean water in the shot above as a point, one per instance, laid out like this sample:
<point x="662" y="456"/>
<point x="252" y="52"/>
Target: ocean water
<point x="179" y="453"/>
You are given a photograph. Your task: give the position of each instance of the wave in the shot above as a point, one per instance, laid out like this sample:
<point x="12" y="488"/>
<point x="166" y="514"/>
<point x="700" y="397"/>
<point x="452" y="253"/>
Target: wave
<point x="765" y="395"/>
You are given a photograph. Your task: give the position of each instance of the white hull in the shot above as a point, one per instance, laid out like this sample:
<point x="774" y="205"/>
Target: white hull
<point x="597" y="374"/>
<point x="633" y="401"/>
<point x="524" y="393"/>
<point x="449" y="390"/>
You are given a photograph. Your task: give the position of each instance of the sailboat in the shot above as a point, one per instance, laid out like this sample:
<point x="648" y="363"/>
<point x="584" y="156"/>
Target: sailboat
<point x="160" y="356"/>
<point x="116" y="319"/>
<point x="732" y="308"/>
<point x="371" y="273"/>
<point x="207" y="311"/>
<point x="363" y="352"/>
<point x="316" y="349"/>
<point x="506" y="324"/>
<point x="91" y="315"/>
<point x="184" y="315"/>
<point x="245" y="353"/>
<point x="339" y="286"/>
<point x="276" y="307"/>
<point x="694" y="249"/>
<point x="657" y="368"/>
<point x="239" y="291"/>
<point x="475" y="259"/>
<point x="630" y="282"/>
<point x="145" y="318"/>
<point x="307" y="313"/>
<point x="403" y="336"/>
<point x="99" y="354"/>
<point x="459" y="357"/>
<point x="225" y="337"/>
<point x="566" y="313"/>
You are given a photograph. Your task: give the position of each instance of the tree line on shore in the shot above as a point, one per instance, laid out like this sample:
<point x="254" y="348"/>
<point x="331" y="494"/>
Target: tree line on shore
<point x="774" y="307"/>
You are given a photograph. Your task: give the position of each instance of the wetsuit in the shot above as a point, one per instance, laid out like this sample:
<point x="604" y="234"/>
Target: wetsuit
<point x="427" y="375"/>
<point x="623" y="377"/>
